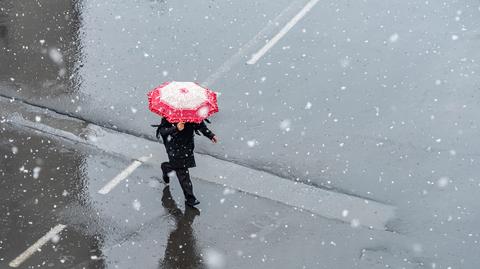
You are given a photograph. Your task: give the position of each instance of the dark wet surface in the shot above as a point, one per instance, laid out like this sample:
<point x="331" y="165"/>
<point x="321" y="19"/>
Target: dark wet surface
<point x="142" y="223"/>
<point x="371" y="98"/>
<point x="40" y="179"/>
<point x="182" y="250"/>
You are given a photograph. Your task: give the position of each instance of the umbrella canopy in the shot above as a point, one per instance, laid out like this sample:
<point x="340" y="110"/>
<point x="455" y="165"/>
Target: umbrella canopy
<point x="182" y="101"/>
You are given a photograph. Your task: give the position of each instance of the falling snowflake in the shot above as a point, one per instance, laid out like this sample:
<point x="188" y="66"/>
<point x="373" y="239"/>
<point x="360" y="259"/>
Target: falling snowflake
<point x="203" y="112"/>
<point x="36" y="172"/>
<point x="393" y="38"/>
<point x="228" y="191"/>
<point x="252" y="143"/>
<point x="136" y="205"/>
<point x="214" y="259"/>
<point x="443" y="182"/>
<point x="55" y="55"/>
<point x="285" y="125"/>
<point x="55" y="239"/>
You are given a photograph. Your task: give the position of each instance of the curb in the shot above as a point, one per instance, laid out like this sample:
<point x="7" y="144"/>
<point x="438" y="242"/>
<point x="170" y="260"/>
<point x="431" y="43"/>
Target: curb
<point x="333" y="205"/>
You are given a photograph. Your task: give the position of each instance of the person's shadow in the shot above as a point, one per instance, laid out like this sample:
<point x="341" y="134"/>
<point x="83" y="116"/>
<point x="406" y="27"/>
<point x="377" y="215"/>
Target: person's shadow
<point x="181" y="251"/>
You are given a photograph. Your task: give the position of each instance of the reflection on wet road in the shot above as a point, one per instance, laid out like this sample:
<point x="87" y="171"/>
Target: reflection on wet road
<point x="182" y="250"/>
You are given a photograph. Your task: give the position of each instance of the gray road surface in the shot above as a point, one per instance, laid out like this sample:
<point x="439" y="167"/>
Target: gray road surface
<point x="136" y="225"/>
<point x="373" y="99"/>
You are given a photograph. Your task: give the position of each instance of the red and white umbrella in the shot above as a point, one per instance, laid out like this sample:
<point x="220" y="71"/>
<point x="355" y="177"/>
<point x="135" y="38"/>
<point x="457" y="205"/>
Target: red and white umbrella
<point x="182" y="101"/>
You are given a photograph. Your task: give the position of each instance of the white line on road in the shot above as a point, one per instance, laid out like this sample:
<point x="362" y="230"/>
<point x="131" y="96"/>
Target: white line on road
<point x="237" y="57"/>
<point x="124" y="174"/>
<point x="33" y="248"/>
<point x="285" y="29"/>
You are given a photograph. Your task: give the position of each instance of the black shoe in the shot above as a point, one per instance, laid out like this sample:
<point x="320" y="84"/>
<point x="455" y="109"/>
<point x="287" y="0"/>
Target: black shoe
<point x="192" y="203"/>
<point x="166" y="179"/>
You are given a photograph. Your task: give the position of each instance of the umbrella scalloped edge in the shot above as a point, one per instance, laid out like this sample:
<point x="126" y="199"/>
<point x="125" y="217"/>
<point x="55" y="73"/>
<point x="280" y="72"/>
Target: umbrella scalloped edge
<point x="186" y="115"/>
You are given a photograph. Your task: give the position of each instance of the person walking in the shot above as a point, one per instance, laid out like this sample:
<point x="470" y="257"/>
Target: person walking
<point x="178" y="139"/>
<point x="184" y="108"/>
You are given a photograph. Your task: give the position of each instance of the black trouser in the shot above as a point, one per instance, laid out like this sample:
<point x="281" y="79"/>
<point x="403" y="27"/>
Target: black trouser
<point x="183" y="177"/>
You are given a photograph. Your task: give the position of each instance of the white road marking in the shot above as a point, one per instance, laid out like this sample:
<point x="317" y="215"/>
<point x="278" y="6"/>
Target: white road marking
<point x="33" y="248"/>
<point x="237" y="57"/>
<point x="285" y="29"/>
<point x="124" y="174"/>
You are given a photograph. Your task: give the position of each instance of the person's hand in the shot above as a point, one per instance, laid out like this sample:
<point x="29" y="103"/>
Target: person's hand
<point x="180" y="126"/>
<point x="215" y="139"/>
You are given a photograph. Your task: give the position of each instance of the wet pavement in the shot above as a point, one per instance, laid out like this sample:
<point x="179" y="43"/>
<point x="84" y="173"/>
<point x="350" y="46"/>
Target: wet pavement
<point x="347" y="86"/>
<point x="49" y="181"/>
<point x="40" y="179"/>
<point x="373" y="99"/>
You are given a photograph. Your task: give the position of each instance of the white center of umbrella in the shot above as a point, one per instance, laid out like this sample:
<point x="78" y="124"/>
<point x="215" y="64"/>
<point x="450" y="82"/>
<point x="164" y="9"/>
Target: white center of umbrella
<point x="183" y="95"/>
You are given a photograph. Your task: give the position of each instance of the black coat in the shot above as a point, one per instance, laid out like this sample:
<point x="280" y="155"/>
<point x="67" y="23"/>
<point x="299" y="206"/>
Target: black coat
<point x="180" y="144"/>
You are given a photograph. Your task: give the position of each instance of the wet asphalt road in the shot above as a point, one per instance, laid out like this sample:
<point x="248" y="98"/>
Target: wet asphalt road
<point x="143" y="224"/>
<point x="351" y="85"/>
<point x="372" y="98"/>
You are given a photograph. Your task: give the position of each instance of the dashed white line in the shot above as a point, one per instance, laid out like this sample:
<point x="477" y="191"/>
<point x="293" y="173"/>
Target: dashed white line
<point x="240" y="55"/>
<point x="124" y="174"/>
<point x="256" y="56"/>
<point x="37" y="245"/>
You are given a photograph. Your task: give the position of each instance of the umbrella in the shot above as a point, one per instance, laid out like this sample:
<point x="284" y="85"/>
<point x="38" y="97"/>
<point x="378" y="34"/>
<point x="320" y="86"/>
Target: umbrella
<point x="182" y="101"/>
